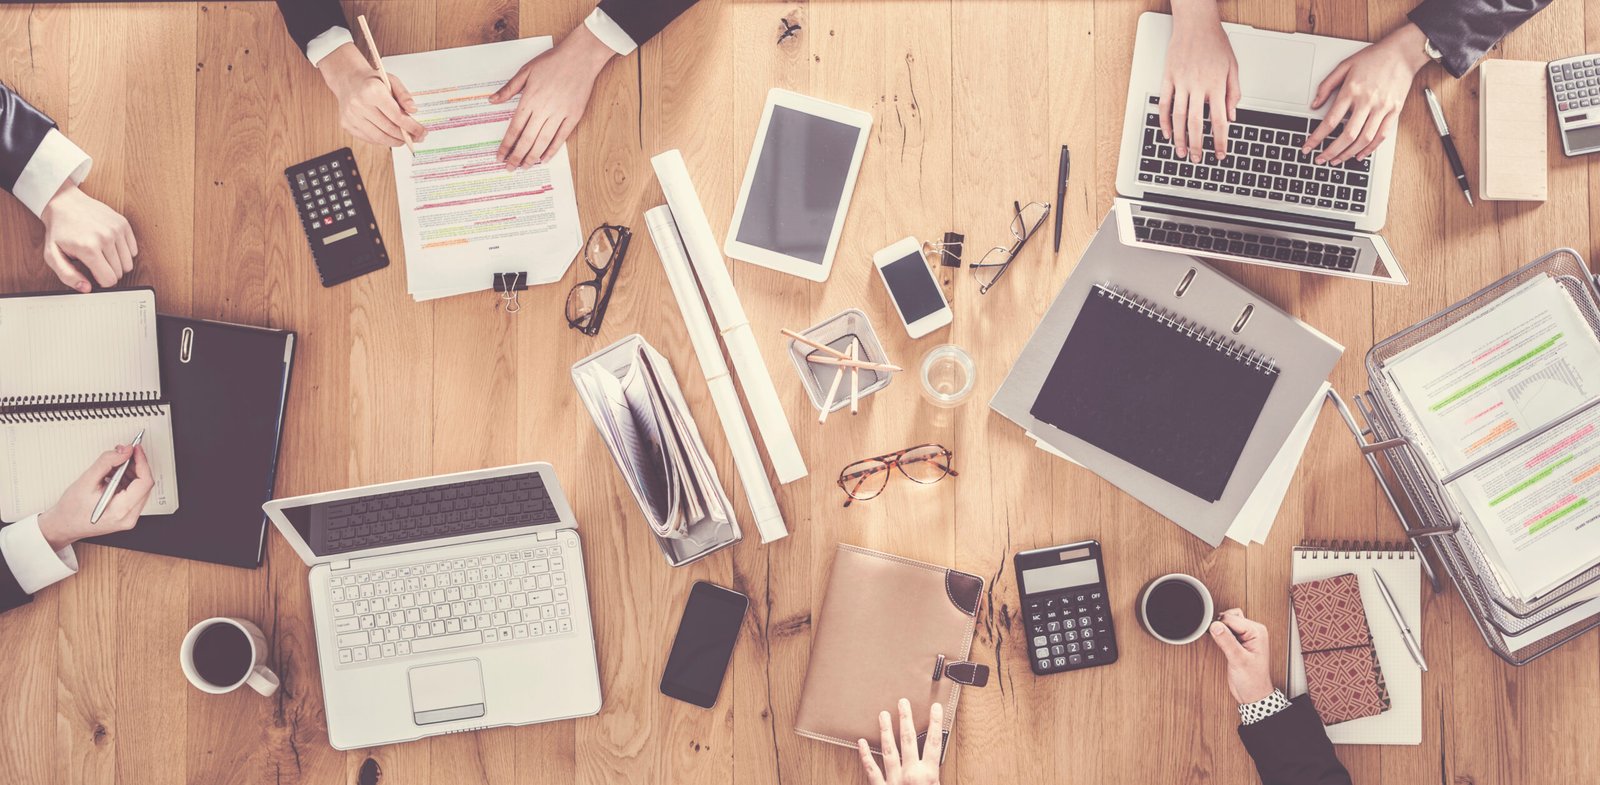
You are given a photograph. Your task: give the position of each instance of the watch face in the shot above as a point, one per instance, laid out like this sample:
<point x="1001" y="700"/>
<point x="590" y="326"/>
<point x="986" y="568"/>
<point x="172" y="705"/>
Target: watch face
<point x="1432" y="51"/>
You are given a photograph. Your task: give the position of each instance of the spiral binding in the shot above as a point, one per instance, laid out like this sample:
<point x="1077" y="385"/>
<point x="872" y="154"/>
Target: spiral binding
<point x="1250" y="358"/>
<point x="77" y="399"/>
<point x="81" y="414"/>
<point x="1354" y="549"/>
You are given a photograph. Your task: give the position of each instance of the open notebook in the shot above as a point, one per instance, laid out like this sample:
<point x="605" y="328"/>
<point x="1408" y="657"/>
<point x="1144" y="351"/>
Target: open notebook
<point x="1402" y="573"/>
<point x="80" y="377"/>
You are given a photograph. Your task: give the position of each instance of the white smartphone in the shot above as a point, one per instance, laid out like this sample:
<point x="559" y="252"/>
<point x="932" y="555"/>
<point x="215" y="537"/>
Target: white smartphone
<point x="912" y="287"/>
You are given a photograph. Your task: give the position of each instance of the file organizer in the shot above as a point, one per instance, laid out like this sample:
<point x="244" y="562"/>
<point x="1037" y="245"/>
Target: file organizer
<point x="1391" y="441"/>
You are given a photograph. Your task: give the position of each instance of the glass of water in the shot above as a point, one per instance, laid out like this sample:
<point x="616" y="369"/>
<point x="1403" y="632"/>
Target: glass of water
<point x="948" y="375"/>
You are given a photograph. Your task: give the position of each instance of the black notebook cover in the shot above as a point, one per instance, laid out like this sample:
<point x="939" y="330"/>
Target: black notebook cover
<point x="1150" y="392"/>
<point x="227" y="393"/>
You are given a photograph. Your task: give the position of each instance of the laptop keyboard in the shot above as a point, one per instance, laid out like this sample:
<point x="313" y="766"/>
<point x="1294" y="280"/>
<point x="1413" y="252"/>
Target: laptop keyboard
<point x="420" y="514"/>
<point x="1178" y="234"/>
<point x="1264" y="162"/>
<point x="513" y="595"/>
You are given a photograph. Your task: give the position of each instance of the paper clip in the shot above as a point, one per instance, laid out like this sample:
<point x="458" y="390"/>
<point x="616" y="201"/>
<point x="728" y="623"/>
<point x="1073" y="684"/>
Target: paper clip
<point x="508" y="284"/>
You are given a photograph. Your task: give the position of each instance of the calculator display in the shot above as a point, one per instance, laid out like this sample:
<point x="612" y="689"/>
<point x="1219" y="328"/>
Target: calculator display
<point x="1060" y="576"/>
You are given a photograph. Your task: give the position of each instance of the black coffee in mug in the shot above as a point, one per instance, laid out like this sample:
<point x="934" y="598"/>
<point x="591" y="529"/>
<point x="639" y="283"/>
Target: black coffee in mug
<point x="1175" y="609"/>
<point x="222" y="654"/>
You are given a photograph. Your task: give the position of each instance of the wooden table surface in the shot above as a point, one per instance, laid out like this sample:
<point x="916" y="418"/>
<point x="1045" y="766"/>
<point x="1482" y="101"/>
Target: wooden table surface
<point x="192" y="111"/>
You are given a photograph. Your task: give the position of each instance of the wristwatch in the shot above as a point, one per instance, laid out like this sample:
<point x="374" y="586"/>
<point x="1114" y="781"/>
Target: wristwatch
<point x="1431" y="51"/>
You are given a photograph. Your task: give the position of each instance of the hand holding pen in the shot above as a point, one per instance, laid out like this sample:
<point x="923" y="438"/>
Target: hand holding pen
<point x="69" y="519"/>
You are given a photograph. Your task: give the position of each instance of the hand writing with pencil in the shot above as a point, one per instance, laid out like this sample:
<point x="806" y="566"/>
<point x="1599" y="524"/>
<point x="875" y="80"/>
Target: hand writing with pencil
<point x="68" y="520"/>
<point x="369" y="110"/>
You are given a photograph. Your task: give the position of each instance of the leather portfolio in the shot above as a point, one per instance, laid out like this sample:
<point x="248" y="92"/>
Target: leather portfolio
<point x="889" y="628"/>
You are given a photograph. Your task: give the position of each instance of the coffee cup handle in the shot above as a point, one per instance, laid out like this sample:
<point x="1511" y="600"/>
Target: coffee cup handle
<point x="263" y="680"/>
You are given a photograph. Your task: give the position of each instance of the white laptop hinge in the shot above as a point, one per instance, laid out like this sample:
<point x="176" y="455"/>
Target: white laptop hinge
<point x="342" y="564"/>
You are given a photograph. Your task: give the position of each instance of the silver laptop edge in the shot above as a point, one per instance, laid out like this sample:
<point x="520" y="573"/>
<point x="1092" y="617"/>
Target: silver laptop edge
<point x="1277" y="93"/>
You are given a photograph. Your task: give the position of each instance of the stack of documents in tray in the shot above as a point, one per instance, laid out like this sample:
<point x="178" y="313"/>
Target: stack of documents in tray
<point x="635" y="401"/>
<point x="1502" y="397"/>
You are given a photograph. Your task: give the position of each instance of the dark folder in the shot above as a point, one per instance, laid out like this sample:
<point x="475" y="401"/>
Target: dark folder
<point x="1146" y="387"/>
<point x="227" y="384"/>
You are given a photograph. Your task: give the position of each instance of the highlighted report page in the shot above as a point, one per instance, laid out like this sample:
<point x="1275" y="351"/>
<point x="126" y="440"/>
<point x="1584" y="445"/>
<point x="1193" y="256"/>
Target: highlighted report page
<point x="1508" y="370"/>
<point x="463" y="215"/>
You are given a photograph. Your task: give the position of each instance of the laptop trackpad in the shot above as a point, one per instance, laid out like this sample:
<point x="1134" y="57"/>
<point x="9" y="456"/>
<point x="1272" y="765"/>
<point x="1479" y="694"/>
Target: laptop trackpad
<point x="1272" y="68"/>
<point x="448" y="691"/>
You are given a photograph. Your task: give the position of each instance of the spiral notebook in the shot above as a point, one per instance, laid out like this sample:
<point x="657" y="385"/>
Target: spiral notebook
<point x="1156" y="390"/>
<point x="1402" y="573"/>
<point x="81" y="375"/>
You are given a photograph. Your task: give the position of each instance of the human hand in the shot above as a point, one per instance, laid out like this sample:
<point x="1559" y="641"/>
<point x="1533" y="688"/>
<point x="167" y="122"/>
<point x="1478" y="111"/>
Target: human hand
<point x="1201" y="71"/>
<point x="1249" y="666"/>
<point x="68" y="520"/>
<point x="903" y="767"/>
<point x="555" y="88"/>
<point x="368" y="110"/>
<point x="1372" y="85"/>
<point x="78" y="227"/>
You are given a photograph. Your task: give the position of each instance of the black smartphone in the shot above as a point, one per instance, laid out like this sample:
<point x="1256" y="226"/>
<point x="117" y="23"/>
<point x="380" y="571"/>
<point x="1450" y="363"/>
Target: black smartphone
<point x="704" y="644"/>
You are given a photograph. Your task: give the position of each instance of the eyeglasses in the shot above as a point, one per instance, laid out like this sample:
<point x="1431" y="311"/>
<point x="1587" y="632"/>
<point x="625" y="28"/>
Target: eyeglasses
<point x="924" y="463"/>
<point x="586" y="303"/>
<point x="994" y="264"/>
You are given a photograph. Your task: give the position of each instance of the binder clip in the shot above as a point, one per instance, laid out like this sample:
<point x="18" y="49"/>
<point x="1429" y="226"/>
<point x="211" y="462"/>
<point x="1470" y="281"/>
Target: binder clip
<point x="508" y="284"/>
<point x="948" y="251"/>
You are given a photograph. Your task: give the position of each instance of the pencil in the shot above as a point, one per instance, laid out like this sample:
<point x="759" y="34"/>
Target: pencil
<point x="833" y="390"/>
<point x="377" y="61"/>
<point x="821" y="347"/>
<point x="855" y="378"/>
<point x="847" y="362"/>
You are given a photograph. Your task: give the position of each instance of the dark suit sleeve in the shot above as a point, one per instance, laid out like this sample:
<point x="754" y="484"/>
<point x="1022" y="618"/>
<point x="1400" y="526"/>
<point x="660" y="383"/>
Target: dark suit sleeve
<point x="307" y="19"/>
<point x="22" y="128"/>
<point x="1464" y="30"/>
<point x="11" y="595"/>
<point x="642" y="19"/>
<point x="1292" y="748"/>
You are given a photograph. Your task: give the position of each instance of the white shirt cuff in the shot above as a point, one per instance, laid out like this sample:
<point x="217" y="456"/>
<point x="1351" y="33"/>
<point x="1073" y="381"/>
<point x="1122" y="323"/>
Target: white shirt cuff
<point x="323" y="45"/>
<point x="56" y="160"/>
<point x="610" y="33"/>
<point x="32" y="562"/>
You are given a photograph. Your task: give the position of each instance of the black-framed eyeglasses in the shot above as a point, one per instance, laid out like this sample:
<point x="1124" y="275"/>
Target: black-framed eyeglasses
<point x="925" y="464"/>
<point x="997" y="261"/>
<point x="604" y="253"/>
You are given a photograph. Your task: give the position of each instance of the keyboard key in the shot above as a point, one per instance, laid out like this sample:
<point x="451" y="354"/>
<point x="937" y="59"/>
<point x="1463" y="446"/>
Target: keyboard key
<point x="425" y="645"/>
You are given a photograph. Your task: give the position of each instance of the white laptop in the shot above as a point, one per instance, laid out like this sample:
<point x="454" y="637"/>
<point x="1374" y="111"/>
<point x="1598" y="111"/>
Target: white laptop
<point x="445" y="604"/>
<point x="1267" y="203"/>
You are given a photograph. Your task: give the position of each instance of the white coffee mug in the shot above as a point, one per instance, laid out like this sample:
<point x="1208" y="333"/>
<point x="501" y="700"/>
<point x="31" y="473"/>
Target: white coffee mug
<point x="258" y="676"/>
<point x="1205" y="616"/>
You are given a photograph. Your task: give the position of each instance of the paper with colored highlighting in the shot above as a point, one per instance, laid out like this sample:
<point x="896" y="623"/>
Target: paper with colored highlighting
<point x="463" y="216"/>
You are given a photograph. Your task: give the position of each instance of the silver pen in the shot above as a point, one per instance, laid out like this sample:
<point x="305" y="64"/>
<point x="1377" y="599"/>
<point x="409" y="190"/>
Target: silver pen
<point x="116" y="479"/>
<point x="1400" y="621"/>
<point x="1449" y="143"/>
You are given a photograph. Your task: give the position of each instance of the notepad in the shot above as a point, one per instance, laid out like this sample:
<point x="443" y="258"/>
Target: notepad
<point x="1155" y="391"/>
<point x="80" y="376"/>
<point x="1402" y="573"/>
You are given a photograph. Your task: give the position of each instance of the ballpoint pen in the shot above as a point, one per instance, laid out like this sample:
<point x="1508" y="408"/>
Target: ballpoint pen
<point x="1448" y="142"/>
<point x="116" y="480"/>
<point x="1061" y="191"/>
<point x="1400" y="621"/>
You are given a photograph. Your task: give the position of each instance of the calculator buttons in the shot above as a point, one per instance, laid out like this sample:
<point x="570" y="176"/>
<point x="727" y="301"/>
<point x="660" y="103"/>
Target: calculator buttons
<point x="1038" y="640"/>
<point x="1075" y="659"/>
<point x="1069" y="631"/>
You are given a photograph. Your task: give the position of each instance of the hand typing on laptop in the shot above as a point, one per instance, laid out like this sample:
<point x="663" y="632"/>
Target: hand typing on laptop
<point x="1369" y="88"/>
<point x="67" y="521"/>
<point x="903" y="766"/>
<point x="1201" y="75"/>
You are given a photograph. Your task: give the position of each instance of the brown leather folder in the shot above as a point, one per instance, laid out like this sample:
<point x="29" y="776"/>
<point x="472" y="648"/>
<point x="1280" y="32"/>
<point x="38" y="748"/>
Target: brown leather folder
<point x="889" y="628"/>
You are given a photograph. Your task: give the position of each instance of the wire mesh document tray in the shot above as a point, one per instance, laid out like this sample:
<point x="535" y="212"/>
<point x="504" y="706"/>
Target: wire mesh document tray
<point x="1396" y="451"/>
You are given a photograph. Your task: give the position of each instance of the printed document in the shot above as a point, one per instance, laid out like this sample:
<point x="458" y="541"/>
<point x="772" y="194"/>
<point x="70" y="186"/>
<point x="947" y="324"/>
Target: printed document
<point x="463" y="216"/>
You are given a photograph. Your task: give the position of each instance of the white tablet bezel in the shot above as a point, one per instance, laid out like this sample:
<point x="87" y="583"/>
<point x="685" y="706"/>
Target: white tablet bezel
<point x="811" y="271"/>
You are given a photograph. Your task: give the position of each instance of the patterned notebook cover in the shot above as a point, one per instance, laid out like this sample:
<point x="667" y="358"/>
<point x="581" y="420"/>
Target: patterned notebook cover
<point x="1342" y="672"/>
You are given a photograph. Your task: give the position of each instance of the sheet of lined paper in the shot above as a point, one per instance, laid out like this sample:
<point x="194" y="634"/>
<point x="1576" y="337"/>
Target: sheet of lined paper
<point x="79" y="345"/>
<point x="39" y="460"/>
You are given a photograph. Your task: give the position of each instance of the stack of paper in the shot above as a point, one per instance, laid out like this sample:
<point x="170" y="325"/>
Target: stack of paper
<point x="634" y="399"/>
<point x="464" y="217"/>
<point x="1504" y="372"/>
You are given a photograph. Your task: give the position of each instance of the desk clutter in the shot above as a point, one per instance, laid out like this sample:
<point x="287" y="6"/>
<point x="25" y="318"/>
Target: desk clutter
<point x="1152" y="369"/>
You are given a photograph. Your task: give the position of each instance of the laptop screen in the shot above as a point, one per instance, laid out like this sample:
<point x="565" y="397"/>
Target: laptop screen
<point x="334" y="527"/>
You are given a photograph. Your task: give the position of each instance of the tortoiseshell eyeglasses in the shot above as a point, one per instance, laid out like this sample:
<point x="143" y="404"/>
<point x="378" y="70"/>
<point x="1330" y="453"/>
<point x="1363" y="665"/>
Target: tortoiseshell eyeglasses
<point x="924" y="463"/>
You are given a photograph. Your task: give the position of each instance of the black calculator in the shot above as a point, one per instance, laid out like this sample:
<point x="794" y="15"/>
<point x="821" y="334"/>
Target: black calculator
<point x="336" y="216"/>
<point x="1066" y="614"/>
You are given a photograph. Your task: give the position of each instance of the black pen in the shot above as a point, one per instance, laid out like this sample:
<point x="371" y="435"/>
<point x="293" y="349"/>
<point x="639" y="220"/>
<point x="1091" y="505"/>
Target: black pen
<point x="1061" y="191"/>
<point x="1449" y="143"/>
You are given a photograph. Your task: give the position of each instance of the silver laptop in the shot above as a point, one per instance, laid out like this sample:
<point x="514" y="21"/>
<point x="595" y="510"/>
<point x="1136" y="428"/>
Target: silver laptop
<point x="1267" y="203"/>
<point x="445" y="604"/>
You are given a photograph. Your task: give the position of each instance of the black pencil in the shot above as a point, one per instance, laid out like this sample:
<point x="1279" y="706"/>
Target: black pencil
<point x="1061" y="191"/>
